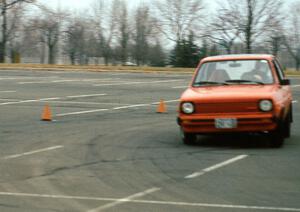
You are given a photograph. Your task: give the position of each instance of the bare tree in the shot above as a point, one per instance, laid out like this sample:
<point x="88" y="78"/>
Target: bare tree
<point x="254" y="17"/>
<point x="106" y="19"/>
<point x="178" y="17"/>
<point x="49" y="25"/>
<point x="30" y="40"/>
<point x="225" y="29"/>
<point x="275" y="35"/>
<point x="75" y="43"/>
<point x="5" y="7"/>
<point x="49" y="30"/>
<point x="292" y="39"/>
<point x="15" y="31"/>
<point x="143" y="29"/>
<point x="123" y="32"/>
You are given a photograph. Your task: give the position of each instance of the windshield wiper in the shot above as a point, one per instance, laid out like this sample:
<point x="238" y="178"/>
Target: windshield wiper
<point x="200" y="83"/>
<point x="245" y="81"/>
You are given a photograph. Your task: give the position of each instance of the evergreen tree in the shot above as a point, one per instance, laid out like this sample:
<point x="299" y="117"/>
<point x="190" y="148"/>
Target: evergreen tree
<point x="204" y="52"/>
<point x="175" y="55"/>
<point x="193" y="52"/>
<point x="157" y="57"/>
<point x="213" y="50"/>
<point x="185" y="53"/>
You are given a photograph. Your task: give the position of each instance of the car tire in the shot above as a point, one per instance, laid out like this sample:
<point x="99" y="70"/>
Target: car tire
<point x="277" y="137"/>
<point x="287" y="126"/>
<point x="188" y="138"/>
<point x="291" y="113"/>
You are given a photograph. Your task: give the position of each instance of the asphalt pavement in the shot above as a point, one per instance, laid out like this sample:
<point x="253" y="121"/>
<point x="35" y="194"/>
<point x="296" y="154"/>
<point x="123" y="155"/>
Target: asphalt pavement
<point x="108" y="150"/>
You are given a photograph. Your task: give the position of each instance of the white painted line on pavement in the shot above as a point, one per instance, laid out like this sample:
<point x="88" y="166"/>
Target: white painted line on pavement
<point x="180" y="87"/>
<point x="10" y="78"/>
<point x="20" y="102"/>
<point x="69" y="80"/>
<point x="86" y="103"/>
<point x="66" y="80"/>
<point x="214" y="167"/>
<point x="49" y="99"/>
<point x="81" y="112"/>
<point x="119" y="74"/>
<point x="23" y="83"/>
<point x="168" y="101"/>
<point x="45" y="82"/>
<point x="10" y="99"/>
<point x="206" y="205"/>
<point x="104" y="79"/>
<point x="51" y="196"/>
<point x="131" y="106"/>
<point x="124" y="200"/>
<point x="295" y="86"/>
<point x="295" y="101"/>
<point x="88" y="95"/>
<point x="23" y="78"/>
<point x="115" y="108"/>
<point x="151" y="202"/>
<point x="32" y="152"/>
<point x="8" y="91"/>
<point x="136" y="83"/>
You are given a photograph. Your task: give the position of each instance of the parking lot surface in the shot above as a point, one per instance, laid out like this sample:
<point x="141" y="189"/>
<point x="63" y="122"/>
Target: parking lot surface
<point x="108" y="150"/>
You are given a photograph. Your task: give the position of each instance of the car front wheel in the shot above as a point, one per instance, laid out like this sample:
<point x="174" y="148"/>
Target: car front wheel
<point x="287" y="125"/>
<point x="277" y="136"/>
<point x="188" y="138"/>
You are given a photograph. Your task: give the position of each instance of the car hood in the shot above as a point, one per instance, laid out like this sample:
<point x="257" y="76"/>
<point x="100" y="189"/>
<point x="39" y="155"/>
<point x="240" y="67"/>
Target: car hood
<point x="232" y="93"/>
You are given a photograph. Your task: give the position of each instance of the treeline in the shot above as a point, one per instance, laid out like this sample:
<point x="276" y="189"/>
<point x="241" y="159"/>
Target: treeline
<point x="160" y="33"/>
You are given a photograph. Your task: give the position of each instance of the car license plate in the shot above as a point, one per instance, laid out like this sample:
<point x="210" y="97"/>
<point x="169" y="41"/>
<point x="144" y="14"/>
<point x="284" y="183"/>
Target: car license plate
<point x="226" y="123"/>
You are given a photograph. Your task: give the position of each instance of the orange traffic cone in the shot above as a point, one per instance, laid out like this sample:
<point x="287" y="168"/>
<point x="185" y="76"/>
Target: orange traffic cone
<point x="161" y="107"/>
<point x="47" y="116"/>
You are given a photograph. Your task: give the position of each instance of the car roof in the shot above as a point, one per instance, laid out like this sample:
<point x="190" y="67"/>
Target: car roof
<point x="239" y="57"/>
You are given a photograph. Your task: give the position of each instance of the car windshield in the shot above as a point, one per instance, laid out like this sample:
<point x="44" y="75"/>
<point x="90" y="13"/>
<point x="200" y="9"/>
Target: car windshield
<point x="234" y="72"/>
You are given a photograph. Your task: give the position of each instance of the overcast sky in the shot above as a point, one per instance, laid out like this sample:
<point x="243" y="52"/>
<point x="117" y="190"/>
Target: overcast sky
<point x="82" y="4"/>
<point x="86" y="4"/>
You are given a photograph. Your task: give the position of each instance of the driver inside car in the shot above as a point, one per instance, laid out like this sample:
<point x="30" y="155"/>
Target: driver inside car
<point x="260" y="73"/>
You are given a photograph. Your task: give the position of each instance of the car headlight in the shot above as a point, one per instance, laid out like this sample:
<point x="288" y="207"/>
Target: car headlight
<point x="265" y="105"/>
<point x="188" y="107"/>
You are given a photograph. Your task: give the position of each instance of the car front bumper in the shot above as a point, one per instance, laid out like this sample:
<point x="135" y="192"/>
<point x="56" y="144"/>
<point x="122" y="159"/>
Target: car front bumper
<point x="245" y="123"/>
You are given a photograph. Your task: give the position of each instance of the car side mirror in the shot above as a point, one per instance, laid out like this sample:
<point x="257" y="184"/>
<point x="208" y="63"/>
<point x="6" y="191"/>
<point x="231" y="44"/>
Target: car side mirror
<point x="285" y="82"/>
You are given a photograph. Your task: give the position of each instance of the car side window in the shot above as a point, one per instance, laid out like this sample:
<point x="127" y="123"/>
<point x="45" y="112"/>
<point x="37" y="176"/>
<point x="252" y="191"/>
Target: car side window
<point x="279" y="70"/>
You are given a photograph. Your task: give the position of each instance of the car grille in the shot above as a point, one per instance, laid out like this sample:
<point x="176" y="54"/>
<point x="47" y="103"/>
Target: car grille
<point x="227" y="107"/>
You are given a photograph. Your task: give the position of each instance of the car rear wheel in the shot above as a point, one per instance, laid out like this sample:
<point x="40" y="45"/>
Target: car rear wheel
<point x="188" y="138"/>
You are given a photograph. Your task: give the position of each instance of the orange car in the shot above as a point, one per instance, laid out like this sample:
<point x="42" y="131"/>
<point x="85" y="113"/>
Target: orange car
<point x="237" y="93"/>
